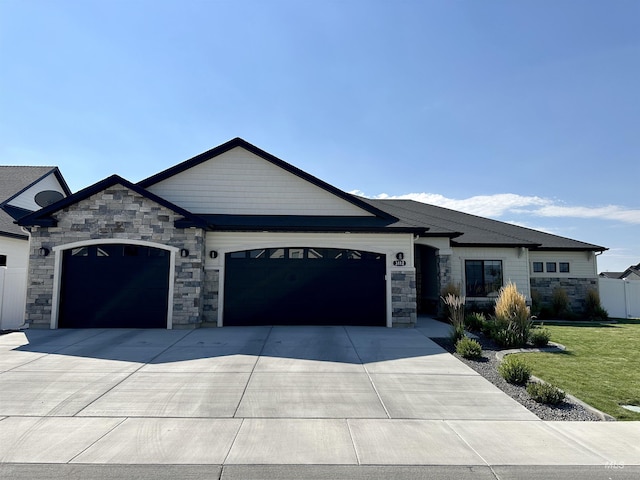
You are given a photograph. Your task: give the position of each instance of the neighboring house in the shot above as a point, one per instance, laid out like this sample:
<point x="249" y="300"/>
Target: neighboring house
<point x="631" y="273"/>
<point x="236" y="236"/>
<point x="22" y="191"/>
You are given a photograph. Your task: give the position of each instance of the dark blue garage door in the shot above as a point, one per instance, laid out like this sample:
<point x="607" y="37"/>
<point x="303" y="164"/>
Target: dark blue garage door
<point x="305" y="286"/>
<point x="114" y="286"/>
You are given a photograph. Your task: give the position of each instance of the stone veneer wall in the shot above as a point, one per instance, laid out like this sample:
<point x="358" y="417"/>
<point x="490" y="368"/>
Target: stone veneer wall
<point x="444" y="277"/>
<point x="117" y="213"/>
<point x="210" y="298"/>
<point x="403" y="299"/>
<point x="444" y="271"/>
<point x="576" y="289"/>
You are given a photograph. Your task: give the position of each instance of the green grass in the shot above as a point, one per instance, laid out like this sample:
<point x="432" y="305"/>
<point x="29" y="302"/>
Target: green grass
<point x="601" y="365"/>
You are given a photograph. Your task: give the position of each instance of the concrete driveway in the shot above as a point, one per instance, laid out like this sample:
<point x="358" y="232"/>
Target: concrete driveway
<point x="272" y="395"/>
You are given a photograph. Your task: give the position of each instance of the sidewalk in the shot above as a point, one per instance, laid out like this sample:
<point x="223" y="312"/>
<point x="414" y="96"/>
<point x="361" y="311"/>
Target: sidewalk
<point x="274" y="396"/>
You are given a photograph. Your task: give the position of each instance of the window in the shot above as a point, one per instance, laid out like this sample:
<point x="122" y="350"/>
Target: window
<point x="537" y="267"/>
<point x="564" y="267"/>
<point x="3" y="260"/>
<point x="277" y="253"/>
<point x="296" y="253"/>
<point x="483" y="277"/>
<point x="551" y="267"/>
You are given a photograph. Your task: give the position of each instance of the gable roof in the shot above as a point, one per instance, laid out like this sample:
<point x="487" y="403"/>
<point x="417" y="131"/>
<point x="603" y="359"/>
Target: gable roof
<point x="239" y="142"/>
<point x="474" y="231"/>
<point x="14" y="180"/>
<point x="614" y="275"/>
<point x="44" y="216"/>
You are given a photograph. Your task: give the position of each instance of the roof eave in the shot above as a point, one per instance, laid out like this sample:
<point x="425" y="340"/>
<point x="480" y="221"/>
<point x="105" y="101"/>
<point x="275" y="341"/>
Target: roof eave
<point x="14" y="235"/>
<point x="319" y="229"/>
<point x="587" y="248"/>
<point x="44" y="217"/>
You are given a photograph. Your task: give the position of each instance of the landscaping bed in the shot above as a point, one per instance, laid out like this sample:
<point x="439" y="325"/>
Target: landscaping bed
<point x="487" y="366"/>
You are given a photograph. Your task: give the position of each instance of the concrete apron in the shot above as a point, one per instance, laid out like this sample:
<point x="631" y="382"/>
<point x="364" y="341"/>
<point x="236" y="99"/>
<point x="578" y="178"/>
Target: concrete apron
<point x="273" y="396"/>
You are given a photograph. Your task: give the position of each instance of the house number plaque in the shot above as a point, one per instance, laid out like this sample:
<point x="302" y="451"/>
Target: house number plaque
<point x="399" y="261"/>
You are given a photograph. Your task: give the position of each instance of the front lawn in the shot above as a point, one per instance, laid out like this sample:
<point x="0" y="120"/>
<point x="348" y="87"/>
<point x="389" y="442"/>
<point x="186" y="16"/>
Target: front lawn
<point x="601" y="365"/>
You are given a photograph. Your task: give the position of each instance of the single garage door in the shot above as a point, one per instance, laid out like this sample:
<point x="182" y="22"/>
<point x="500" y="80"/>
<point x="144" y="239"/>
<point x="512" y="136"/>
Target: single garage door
<point x="304" y="286"/>
<point x="114" y="286"/>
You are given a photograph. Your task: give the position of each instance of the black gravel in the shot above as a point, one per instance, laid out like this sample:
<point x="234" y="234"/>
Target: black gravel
<point x="487" y="366"/>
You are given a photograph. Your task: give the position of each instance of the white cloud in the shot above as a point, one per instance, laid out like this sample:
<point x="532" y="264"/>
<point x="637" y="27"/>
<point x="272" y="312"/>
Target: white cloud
<point x="503" y="203"/>
<point x="609" y="212"/>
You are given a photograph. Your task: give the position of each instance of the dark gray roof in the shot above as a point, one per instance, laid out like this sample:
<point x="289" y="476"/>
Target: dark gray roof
<point x="13" y="181"/>
<point x="471" y="230"/>
<point x="614" y="275"/>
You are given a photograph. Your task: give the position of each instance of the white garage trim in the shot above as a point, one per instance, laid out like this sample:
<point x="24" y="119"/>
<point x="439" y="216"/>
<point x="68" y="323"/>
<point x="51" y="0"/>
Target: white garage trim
<point x="220" y="265"/>
<point x="57" y="270"/>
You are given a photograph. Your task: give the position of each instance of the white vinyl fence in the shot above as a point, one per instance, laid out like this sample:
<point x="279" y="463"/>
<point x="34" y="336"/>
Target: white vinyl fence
<point x="13" y="292"/>
<point x="621" y="298"/>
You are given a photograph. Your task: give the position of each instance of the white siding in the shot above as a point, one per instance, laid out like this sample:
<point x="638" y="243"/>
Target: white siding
<point x="389" y="244"/>
<point x="581" y="264"/>
<point x="26" y="199"/>
<point x="16" y="250"/>
<point x="241" y="183"/>
<point x="440" y="243"/>
<point x="13" y="282"/>
<point x="514" y="265"/>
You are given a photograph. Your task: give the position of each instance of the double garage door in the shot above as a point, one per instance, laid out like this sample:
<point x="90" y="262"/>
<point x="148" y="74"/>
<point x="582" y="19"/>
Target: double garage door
<point x="304" y="286"/>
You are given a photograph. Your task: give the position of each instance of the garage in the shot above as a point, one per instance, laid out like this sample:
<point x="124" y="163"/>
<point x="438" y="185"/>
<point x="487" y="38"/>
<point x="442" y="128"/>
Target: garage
<point x="304" y="286"/>
<point x="114" y="286"/>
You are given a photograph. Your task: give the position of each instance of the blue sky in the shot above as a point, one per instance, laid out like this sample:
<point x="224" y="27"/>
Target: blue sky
<point x="526" y="112"/>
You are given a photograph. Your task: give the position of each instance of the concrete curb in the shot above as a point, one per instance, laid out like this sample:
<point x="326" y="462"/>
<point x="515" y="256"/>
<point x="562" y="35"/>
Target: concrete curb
<point x="556" y="348"/>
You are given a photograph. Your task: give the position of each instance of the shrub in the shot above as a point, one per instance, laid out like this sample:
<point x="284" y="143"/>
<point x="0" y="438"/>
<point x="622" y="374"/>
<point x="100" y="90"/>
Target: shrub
<point x="593" y="309"/>
<point x="475" y="321"/>
<point x="560" y="303"/>
<point x="455" y="304"/>
<point x="515" y="370"/>
<point x="513" y="317"/>
<point x="539" y="337"/>
<point x="545" y="393"/>
<point x="468" y="348"/>
<point x="506" y="337"/>
<point x="489" y="327"/>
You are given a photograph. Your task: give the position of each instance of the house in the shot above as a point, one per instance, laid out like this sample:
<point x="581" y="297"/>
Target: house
<point x="631" y="273"/>
<point x="236" y="236"/>
<point x="22" y="191"/>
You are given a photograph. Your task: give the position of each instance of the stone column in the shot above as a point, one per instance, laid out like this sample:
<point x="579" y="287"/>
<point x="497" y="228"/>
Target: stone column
<point x="403" y="298"/>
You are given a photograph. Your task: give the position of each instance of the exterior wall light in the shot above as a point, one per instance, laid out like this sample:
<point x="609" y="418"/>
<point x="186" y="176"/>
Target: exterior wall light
<point x="43" y="251"/>
<point x="213" y="254"/>
<point x="184" y="253"/>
